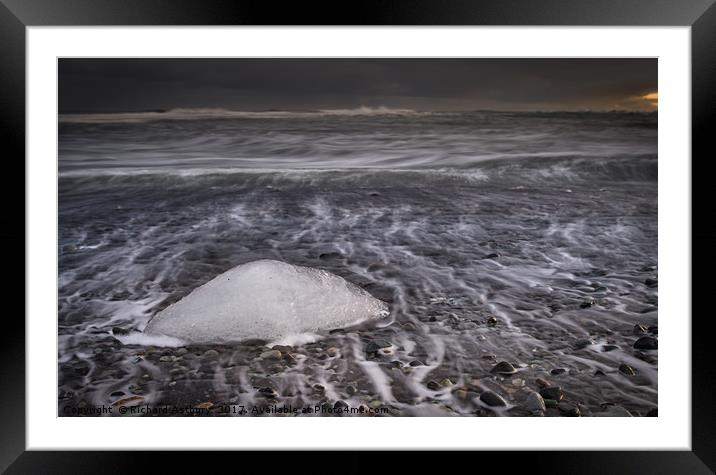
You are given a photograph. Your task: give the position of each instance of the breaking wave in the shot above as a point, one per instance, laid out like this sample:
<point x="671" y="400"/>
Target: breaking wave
<point x="218" y="113"/>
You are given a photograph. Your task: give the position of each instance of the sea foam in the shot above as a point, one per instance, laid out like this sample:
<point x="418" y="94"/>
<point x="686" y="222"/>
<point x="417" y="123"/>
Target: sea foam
<point x="268" y="300"/>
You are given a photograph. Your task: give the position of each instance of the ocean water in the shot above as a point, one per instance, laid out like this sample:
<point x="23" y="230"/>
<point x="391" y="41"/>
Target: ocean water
<point x="528" y="238"/>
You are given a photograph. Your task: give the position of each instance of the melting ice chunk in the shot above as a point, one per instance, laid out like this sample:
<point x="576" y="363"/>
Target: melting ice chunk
<point x="268" y="300"/>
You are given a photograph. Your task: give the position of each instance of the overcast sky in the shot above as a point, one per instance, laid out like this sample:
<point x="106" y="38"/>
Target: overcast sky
<point x="122" y="85"/>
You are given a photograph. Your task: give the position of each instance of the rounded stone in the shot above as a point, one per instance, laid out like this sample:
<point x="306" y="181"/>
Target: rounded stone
<point x="552" y="392"/>
<point x="646" y="343"/>
<point x="535" y="403"/>
<point x="626" y="369"/>
<point x="271" y="355"/>
<point x="569" y="409"/>
<point x="340" y="406"/>
<point x="374" y="346"/>
<point x="503" y="367"/>
<point x="492" y="399"/>
<point x="583" y="343"/>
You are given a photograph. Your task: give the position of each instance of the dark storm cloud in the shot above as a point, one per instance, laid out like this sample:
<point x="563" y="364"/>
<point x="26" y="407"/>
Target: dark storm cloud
<point x="114" y="85"/>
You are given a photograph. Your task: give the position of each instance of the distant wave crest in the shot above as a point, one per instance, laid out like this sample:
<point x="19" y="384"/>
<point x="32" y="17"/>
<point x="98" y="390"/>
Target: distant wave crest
<point x="218" y="113"/>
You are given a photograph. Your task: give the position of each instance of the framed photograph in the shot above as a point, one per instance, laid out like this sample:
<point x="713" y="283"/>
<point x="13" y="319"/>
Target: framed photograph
<point x="417" y="227"/>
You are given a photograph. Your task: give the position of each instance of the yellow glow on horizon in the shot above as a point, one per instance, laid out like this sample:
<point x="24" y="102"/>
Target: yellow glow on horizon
<point x="652" y="96"/>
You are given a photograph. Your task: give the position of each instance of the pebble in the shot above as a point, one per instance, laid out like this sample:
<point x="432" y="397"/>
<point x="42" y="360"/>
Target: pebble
<point x="119" y="331"/>
<point x="535" y="403"/>
<point x="351" y="390"/>
<point x="446" y="382"/>
<point x="332" y="351"/>
<point x="211" y="354"/>
<point x="271" y="355"/>
<point x="374" y="346"/>
<point x="340" y="405"/>
<point x="646" y="343"/>
<point x="69" y="248"/>
<point x="128" y="400"/>
<point x="542" y="383"/>
<point x="267" y="392"/>
<point x="608" y="348"/>
<point x="492" y="399"/>
<point x="504" y="368"/>
<point x="599" y="372"/>
<point x="583" y="343"/>
<point x="461" y="394"/>
<point x="550" y="403"/>
<point x="166" y="359"/>
<point x="282" y="348"/>
<point x="433" y="385"/>
<point x="639" y="329"/>
<point x="557" y="371"/>
<point x="135" y="389"/>
<point x="492" y="321"/>
<point x="493" y="255"/>
<point x="552" y="392"/>
<point x="588" y="303"/>
<point x="626" y="369"/>
<point x="569" y="409"/>
<point x="416" y="363"/>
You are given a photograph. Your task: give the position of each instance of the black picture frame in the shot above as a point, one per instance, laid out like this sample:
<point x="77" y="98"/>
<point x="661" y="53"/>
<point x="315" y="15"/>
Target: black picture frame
<point x="16" y="15"/>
